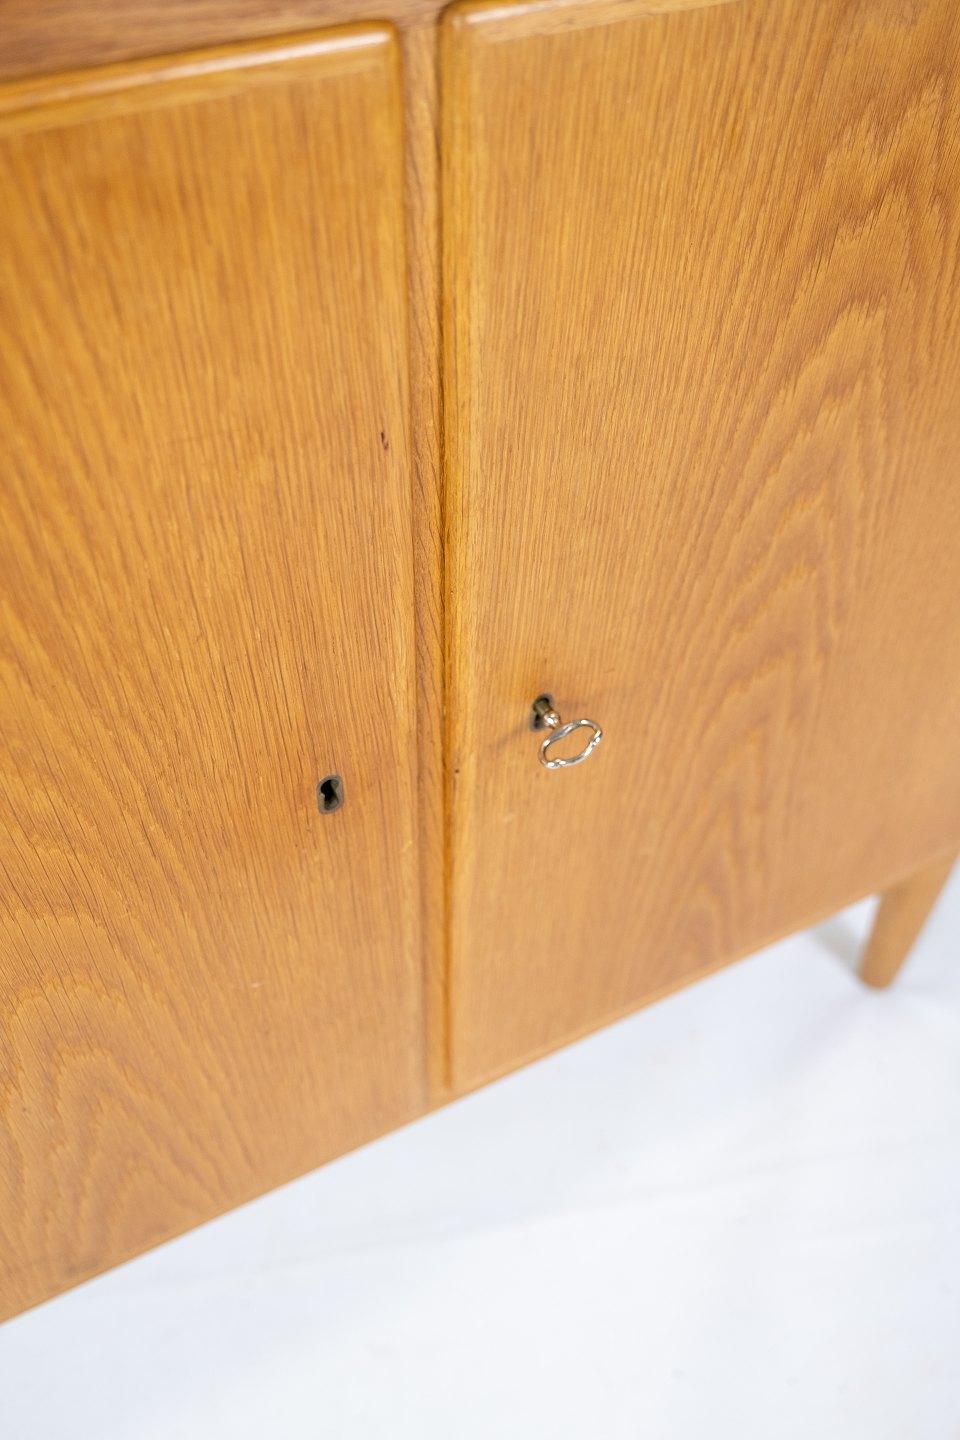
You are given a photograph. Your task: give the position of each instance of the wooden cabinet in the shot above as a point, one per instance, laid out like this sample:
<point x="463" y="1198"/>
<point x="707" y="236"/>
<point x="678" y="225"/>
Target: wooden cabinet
<point x="357" y="387"/>
<point x="206" y="985"/>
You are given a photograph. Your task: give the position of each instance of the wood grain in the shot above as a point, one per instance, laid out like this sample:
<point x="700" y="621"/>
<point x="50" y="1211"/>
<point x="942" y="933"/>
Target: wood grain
<point x="904" y="910"/>
<point x="702" y="330"/>
<point x="206" y="986"/>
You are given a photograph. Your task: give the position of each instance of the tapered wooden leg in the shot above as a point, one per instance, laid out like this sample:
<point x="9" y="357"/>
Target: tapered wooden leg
<point x="901" y="917"/>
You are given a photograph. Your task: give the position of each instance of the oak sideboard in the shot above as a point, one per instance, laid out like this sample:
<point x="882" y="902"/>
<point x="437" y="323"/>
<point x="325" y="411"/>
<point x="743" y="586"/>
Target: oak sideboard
<point x="479" y="549"/>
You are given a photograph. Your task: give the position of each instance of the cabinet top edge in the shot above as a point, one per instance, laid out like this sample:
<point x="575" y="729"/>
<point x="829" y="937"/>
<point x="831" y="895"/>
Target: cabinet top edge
<point x="129" y="85"/>
<point x="504" y="19"/>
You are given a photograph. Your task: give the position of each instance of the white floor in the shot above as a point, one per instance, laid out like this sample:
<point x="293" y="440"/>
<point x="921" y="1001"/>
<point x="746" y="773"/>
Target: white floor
<point x="735" y="1216"/>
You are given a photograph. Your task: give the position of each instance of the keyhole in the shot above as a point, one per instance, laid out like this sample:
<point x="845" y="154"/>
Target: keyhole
<point x="330" y="794"/>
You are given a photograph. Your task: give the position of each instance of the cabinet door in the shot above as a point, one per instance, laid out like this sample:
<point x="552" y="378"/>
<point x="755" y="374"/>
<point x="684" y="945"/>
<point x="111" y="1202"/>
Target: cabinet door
<point x="206" y="984"/>
<point x="703" y="408"/>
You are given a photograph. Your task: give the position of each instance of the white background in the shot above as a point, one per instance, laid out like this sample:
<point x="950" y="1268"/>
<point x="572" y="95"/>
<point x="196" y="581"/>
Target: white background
<point x="734" y="1216"/>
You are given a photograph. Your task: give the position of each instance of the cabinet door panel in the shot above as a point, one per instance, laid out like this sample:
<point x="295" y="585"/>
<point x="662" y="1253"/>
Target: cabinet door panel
<point x="703" y="367"/>
<point x="206" y="985"/>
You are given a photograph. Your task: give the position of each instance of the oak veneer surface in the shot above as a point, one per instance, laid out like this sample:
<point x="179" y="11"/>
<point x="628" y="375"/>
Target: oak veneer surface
<point x="703" y="425"/>
<point x="206" y="986"/>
